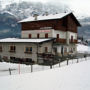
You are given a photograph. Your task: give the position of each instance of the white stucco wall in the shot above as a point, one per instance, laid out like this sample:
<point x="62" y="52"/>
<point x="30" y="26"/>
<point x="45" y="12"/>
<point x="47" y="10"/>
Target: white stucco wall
<point x="51" y="33"/>
<point x="62" y="34"/>
<point x="72" y="34"/>
<point x="25" y="34"/>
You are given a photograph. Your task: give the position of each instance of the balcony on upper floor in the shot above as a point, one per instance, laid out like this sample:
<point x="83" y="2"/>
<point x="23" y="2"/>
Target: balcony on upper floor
<point x="60" y="41"/>
<point x="73" y="41"/>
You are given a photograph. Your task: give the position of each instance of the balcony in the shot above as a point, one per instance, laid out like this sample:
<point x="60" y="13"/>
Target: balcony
<point x="58" y="40"/>
<point x="72" y="41"/>
<point x="45" y="55"/>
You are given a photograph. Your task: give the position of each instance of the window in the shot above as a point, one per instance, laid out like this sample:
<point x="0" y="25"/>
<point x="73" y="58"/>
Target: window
<point x="57" y="35"/>
<point x="0" y="48"/>
<point x="46" y="35"/>
<point x="71" y="50"/>
<point x="46" y="49"/>
<point x="55" y="50"/>
<point x="30" y="35"/>
<point x="64" y="21"/>
<point x="5" y="58"/>
<point x="65" y="50"/>
<point x="12" y="58"/>
<point x="28" y="49"/>
<point x="71" y="37"/>
<point x="38" y="35"/>
<point x="12" y="48"/>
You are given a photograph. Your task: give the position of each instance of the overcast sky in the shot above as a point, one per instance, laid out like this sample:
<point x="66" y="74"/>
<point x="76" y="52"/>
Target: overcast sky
<point x="80" y="7"/>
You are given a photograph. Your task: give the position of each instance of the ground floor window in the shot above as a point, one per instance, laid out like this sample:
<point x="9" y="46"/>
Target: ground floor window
<point x="12" y="58"/>
<point x="46" y="49"/>
<point x="12" y="48"/>
<point x="28" y="60"/>
<point x="0" y="48"/>
<point x="55" y="50"/>
<point x="5" y="58"/>
<point x="28" y="49"/>
<point x="71" y="50"/>
<point x="65" y="50"/>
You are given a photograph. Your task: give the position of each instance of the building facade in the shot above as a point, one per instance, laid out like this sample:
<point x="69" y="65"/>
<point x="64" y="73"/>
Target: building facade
<point x="43" y="35"/>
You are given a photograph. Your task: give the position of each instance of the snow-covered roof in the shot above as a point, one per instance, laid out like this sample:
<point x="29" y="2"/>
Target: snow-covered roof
<point x="24" y="40"/>
<point x="48" y="17"/>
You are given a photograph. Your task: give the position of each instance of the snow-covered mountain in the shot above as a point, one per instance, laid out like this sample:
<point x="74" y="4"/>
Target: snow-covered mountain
<point x="26" y="9"/>
<point x="8" y="25"/>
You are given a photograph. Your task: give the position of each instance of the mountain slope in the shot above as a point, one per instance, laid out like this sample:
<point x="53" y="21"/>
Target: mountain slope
<point x="8" y="25"/>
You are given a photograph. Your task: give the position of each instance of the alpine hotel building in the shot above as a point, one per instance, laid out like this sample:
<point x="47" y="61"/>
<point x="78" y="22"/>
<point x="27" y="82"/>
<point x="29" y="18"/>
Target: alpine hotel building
<point x="42" y="37"/>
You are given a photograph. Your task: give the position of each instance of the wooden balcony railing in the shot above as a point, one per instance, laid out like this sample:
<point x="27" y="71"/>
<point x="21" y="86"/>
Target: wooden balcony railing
<point x="73" y="41"/>
<point x="45" y="55"/>
<point x="58" y="40"/>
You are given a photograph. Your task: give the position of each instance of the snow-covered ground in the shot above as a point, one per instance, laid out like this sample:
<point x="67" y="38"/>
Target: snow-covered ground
<point x="21" y="68"/>
<point x="72" y="77"/>
<point x="83" y="49"/>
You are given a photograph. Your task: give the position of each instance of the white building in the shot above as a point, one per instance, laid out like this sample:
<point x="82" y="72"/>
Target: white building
<point x="42" y="37"/>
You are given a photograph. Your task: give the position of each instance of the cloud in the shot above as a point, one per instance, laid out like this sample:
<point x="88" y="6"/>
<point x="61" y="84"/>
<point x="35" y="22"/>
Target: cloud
<point x="80" y="7"/>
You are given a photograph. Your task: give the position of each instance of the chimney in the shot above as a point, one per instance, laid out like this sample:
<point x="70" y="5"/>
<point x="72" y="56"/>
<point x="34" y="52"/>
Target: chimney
<point x="35" y="16"/>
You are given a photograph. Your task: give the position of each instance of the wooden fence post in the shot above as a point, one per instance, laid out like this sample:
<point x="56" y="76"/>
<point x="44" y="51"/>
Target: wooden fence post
<point x="50" y="66"/>
<point x="67" y="61"/>
<point x="19" y="68"/>
<point x="31" y="68"/>
<point x="9" y="71"/>
<point x="77" y="60"/>
<point x="59" y="62"/>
